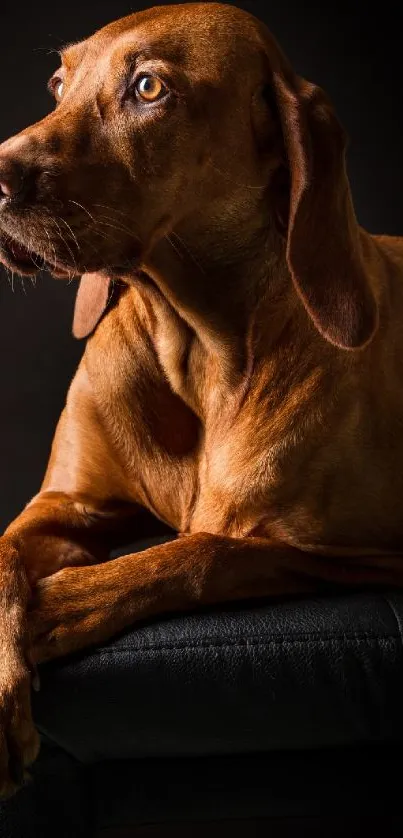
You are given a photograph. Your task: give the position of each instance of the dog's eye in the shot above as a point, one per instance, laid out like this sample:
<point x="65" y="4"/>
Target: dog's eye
<point x="59" y="90"/>
<point x="56" y="86"/>
<point x="150" y="88"/>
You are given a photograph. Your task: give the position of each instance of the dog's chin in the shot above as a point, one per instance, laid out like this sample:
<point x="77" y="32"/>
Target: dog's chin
<point x="26" y="262"/>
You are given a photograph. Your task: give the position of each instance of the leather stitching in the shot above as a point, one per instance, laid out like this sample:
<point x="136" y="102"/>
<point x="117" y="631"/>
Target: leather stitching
<point x="353" y="639"/>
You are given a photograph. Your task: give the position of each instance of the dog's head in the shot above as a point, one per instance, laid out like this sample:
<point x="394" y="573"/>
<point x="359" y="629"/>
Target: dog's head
<point x="158" y="118"/>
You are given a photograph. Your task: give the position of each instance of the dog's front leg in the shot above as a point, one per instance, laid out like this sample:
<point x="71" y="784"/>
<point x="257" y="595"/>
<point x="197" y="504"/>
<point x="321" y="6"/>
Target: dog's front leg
<point x="78" y="607"/>
<point x="81" y="606"/>
<point x="53" y="531"/>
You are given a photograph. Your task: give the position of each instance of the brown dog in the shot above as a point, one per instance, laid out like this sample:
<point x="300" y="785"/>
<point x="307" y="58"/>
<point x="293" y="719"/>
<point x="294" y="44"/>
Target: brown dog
<point x="245" y="379"/>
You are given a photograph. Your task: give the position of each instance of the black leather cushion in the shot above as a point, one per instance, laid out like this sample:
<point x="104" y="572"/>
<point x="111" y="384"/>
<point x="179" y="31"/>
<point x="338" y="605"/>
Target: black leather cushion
<point x="317" y="673"/>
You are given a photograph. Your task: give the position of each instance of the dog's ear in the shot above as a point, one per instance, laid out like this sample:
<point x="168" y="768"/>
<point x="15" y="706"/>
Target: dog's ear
<point x="324" y="242"/>
<point x="92" y="299"/>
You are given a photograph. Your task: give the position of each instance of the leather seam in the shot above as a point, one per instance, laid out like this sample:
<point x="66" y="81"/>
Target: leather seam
<point x="353" y="640"/>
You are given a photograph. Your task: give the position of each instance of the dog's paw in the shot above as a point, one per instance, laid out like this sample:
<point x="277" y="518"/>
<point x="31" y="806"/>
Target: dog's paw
<point x="19" y="740"/>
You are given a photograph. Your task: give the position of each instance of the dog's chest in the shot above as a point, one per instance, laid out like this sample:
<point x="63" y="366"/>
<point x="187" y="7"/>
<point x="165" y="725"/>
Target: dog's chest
<point x="187" y="452"/>
<point x="261" y="471"/>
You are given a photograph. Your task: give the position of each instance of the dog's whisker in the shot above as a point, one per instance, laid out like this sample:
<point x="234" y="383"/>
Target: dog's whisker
<point x="117" y="222"/>
<point x="120" y="229"/>
<point x="44" y="253"/>
<point x="64" y="242"/>
<point x="230" y="179"/>
<point x="77" y="204"/>
<point x="70" y="230"/>
<point x="47" y="50"/>
<point x="190" y="254"/>
<point x="32" y="252"/>
<point x="114" y="210"/>
<point x="100" y="235"/>
<point x="176" y="249"/>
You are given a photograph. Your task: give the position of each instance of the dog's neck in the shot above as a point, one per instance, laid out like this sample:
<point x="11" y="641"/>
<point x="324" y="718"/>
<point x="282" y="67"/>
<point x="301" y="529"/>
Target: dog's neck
<point x="226" y="284"/>
<point x="221" y="303"/>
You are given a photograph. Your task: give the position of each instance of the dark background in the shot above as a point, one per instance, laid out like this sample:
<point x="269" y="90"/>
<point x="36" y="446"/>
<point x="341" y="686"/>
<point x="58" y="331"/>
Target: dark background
<point x="354" y="54"/>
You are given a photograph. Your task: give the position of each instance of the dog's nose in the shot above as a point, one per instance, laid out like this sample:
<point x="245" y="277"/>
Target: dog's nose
<point x="11" y="179"/>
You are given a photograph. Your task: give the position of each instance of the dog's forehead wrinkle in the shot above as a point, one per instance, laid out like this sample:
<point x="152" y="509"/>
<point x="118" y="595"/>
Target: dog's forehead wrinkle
<point x="133" y="46"/>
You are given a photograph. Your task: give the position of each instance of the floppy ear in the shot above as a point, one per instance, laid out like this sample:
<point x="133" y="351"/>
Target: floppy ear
<point x="324" y="241"/>
<point x="92" y="299"/>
